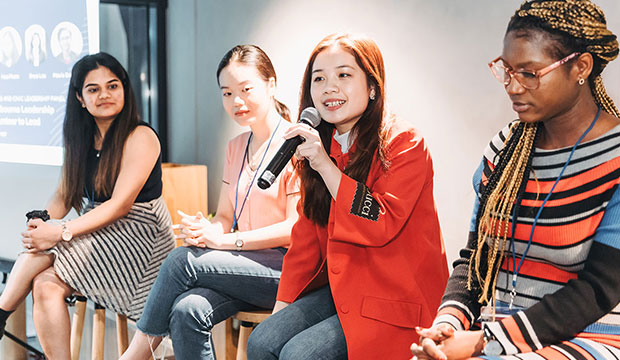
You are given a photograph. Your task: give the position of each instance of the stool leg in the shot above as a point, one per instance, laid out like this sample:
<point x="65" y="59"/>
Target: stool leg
<point x="122" y="337"/>
<point x="77" y="327"/>
<point x="245" y="328"/>
<point x="231" y="342"/>
<point x="98" y="333"/>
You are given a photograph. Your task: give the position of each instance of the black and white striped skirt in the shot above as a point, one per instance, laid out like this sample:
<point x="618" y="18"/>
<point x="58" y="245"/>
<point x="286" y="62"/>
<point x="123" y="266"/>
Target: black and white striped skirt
<point x="116" y="266"/>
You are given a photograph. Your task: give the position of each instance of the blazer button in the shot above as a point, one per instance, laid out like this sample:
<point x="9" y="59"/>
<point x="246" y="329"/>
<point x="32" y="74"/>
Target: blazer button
<point x="336" y="270"/>
<point x="344" y="309"/>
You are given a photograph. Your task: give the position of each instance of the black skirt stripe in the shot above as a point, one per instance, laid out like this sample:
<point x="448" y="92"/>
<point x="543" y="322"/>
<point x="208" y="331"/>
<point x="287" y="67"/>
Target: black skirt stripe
<point x="117" y="265"/>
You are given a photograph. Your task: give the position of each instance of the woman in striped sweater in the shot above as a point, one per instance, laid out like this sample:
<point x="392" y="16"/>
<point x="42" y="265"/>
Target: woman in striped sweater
<point x="544" y="244"/>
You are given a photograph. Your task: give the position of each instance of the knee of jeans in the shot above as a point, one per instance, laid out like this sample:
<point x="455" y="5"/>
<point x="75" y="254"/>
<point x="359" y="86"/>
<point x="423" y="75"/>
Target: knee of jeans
<point x="175" y="261"/>
<point x="290" y="351"/>
<point x="191" y="311"/>
<point x="259" y="344"/>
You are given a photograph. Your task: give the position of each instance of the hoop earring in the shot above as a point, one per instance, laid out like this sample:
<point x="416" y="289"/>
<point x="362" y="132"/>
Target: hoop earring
<point x="372" y="94"/>
<point x="581" y="81"/>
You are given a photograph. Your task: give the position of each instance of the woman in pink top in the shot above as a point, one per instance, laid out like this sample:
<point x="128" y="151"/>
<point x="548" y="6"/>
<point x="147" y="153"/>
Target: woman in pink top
<point x="233" y="261"/>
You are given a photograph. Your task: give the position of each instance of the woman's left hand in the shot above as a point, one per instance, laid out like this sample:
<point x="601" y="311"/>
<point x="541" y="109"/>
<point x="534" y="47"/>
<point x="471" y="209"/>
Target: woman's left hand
<point x="198" y="231"/>
<point x="41" y="235"/>
<point x="312" y="149"/>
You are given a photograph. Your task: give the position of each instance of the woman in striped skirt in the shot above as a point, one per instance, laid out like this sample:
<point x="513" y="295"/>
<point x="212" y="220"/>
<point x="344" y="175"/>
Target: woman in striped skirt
<point x="539" y="276"/>
<point x="112" y="252"/>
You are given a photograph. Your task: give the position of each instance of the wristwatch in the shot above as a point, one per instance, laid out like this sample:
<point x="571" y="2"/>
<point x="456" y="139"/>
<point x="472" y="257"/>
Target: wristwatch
<point x="492" y="347"/>
<point x="66" y="234"/>
<point x="238" y="242"/>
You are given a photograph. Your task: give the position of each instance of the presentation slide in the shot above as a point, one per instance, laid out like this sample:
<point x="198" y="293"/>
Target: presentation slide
<point x="40" y="40"/>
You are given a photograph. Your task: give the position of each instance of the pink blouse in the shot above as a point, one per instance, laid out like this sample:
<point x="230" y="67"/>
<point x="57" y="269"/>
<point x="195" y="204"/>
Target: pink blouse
<point x="262" y="207"/>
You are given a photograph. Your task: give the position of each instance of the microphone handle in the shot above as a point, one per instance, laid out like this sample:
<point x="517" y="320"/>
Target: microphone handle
<point x="279" y="161"/>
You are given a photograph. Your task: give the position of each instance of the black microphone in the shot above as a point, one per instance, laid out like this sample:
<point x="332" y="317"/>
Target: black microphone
<point x="309" y="116"/>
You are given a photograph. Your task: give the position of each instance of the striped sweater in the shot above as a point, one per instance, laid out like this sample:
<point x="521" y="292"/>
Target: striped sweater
<point x="569" y="283"/>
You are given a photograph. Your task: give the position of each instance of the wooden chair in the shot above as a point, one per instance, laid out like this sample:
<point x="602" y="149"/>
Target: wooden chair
<point x="185" y="189"/>
<point x="247" y="322"/>
<point x="98" y="346"/>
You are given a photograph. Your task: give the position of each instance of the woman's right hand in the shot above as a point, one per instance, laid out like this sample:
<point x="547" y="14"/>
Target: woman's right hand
<point x="312" y="148"/>
<point x="199" y="231"/>
<point x="189" y="225"/>
<point x="429" y="342"/>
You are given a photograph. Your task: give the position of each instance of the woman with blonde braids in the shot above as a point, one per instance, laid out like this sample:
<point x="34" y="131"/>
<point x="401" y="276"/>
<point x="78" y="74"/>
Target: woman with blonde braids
<point x="539" y="278"/>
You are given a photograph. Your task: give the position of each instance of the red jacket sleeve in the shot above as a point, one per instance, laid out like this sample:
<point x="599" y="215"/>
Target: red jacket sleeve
<point x="302" y="261"/>
<point x="373" y="215"/>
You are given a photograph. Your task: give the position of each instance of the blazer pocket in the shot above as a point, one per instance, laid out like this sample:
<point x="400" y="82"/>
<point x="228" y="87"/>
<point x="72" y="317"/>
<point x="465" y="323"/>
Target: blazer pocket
<point x="395" y="312"/>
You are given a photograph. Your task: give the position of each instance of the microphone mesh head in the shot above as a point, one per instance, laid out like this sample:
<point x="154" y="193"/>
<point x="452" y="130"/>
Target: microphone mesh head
<point x="311" y="115"/>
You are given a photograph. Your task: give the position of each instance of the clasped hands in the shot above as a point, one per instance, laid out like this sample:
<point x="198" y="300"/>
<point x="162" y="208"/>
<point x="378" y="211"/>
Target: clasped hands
<point x="442" y="342"/>
<point x="198" y="231"/>
<point x="40" y="235"/>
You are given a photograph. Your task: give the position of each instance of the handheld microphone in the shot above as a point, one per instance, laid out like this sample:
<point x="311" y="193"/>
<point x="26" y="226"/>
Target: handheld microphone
<point x="309" y="116"/>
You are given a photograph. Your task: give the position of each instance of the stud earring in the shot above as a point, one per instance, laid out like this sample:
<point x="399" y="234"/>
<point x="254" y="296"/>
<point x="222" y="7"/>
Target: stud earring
<point x="83" y="105"/>
<point x="581" y="81"/>
<point x="372" y="94"/>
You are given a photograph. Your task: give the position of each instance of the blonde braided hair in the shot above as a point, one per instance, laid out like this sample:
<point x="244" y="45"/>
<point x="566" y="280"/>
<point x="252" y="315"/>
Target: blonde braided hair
<point x="581" y="26"/>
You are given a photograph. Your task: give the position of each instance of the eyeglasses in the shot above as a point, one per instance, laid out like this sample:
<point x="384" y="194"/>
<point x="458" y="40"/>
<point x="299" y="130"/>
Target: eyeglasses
<point x="528" y="79"/>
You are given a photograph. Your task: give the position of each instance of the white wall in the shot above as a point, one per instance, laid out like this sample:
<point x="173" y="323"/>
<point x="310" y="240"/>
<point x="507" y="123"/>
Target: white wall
<point x="435" y="53"/>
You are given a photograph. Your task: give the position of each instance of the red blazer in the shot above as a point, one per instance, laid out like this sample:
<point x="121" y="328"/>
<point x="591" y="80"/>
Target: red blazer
<point x="381" y="252"/>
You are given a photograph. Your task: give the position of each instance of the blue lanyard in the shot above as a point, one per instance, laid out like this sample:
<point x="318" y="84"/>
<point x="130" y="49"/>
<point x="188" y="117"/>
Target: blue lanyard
<point x="235" y="224"/>
<point x="515" y="268"/>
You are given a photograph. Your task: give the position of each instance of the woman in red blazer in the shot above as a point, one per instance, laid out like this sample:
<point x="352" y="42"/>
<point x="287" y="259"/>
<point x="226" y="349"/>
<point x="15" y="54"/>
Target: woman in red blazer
<point x="367" y="263"/>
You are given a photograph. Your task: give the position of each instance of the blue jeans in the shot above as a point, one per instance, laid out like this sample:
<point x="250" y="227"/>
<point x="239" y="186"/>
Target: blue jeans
<point x="197" y="288"/>
<point x="308" y="328"/>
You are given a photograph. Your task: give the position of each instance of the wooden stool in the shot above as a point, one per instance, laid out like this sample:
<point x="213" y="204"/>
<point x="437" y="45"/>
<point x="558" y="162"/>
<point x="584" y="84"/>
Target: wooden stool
<point x="77" y="328"/>
<point x="247" y="321"/>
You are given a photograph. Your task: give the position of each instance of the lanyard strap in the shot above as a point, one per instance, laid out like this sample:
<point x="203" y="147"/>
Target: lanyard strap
<point x="514" y="214"/>
<point x="235" y="224"/>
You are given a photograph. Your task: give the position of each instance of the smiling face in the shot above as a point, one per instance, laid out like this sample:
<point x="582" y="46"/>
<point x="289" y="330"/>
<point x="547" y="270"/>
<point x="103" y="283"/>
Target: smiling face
<point x="246" y="97"/>
<point x="557" y="91"/>
<point x="103" y="94"/>
<point x="339" y="88"/>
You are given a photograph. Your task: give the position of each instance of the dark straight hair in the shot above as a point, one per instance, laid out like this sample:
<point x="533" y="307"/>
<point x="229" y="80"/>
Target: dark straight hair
<point x="79" y="131"/>
<point x="252" y="55"/>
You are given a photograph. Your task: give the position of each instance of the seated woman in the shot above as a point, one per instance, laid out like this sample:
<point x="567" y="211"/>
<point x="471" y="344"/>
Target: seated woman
<point x="112" y="252"/>
<point x="544" y="246"/>
<point x="232" y="262"/>
<point x="366" y="263"/>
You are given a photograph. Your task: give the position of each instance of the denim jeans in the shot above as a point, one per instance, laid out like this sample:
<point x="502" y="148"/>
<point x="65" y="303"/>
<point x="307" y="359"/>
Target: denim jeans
<point x="197" y="288"/>
<point x="308" y="328"/>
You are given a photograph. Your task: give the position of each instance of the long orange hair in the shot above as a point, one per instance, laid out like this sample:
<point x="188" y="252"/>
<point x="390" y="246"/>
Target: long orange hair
<point x="368" y="131"/>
